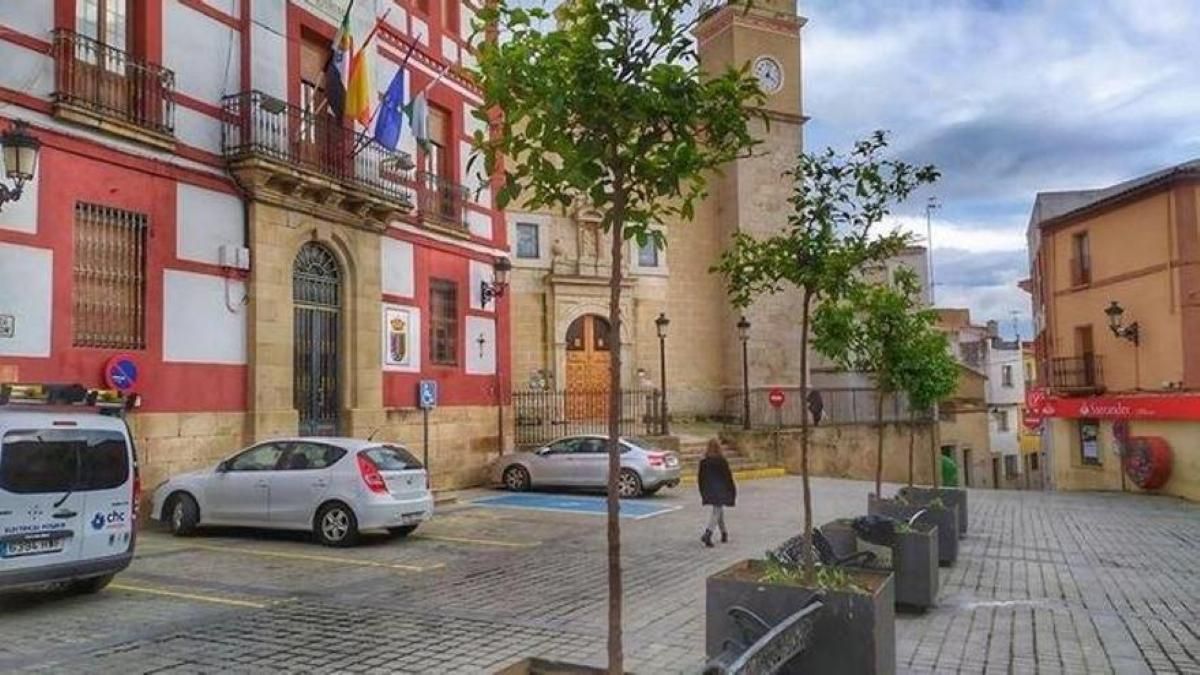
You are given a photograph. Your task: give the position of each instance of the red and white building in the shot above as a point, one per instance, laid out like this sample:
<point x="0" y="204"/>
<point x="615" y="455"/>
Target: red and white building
<point x="200" y="224"/>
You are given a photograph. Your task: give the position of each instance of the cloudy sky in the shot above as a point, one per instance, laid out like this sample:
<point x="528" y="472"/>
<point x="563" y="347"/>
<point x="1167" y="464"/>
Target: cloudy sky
<point x="1007" y="98"/>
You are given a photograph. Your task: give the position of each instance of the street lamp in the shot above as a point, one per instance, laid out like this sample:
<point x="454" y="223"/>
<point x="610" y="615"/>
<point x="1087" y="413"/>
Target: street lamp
<point x="743" y="327"/>
<point x="20" y="150"/>
<point x="1115" y="314"/>
<point x="490" y="291"/>
<point x="661" y="324"/>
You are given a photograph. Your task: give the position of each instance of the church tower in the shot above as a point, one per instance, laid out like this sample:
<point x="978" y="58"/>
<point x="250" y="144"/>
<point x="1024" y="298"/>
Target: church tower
<point x="752" y="194"/>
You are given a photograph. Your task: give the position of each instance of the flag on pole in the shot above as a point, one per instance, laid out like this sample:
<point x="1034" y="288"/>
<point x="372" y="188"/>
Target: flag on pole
<point x="389" y="125"/>
<point x="360" y="91"/>
<point x="418" y="114"/>
<point x="336" y="68"/>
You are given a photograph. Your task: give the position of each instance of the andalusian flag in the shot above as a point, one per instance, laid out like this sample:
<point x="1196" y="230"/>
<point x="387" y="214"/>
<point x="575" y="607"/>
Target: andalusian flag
<point x="337" y="68"/>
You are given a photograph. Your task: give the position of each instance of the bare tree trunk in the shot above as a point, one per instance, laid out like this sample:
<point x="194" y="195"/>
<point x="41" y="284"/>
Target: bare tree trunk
<point x="810" y="564"/>
<point x="616" y="656"/>
<point x="933" y="450"/>
<point x="912" y="443"/>
<point x="879" y="442"/>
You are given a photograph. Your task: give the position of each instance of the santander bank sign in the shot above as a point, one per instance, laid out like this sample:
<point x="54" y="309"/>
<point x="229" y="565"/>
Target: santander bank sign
<point x="1146" y="406"/>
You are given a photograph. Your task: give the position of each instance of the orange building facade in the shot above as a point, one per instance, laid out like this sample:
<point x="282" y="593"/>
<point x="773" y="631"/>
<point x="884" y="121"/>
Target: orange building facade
<point x="1115" y="280"/>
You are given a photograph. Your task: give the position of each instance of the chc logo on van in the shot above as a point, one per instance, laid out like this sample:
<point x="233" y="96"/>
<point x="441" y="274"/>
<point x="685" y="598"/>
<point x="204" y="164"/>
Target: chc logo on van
<point x="115" y="520"/>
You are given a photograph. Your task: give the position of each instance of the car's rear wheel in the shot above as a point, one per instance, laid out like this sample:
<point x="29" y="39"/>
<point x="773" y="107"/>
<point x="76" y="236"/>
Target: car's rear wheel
<point x="336" y="525"/>
<point x="90" y="585"/>
<point x="629" y="484"/>
<point x="516" y="478"/>
<point x="402" y="531"/>
<point x="183" y="514"/>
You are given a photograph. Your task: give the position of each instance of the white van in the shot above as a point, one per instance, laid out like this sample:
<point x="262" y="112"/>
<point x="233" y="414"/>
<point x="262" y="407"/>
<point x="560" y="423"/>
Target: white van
<point x="69" y="487"/>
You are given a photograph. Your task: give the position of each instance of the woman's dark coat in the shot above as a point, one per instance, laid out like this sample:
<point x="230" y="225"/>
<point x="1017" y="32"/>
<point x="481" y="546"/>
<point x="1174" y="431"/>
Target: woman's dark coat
<point x="716" y="482"/>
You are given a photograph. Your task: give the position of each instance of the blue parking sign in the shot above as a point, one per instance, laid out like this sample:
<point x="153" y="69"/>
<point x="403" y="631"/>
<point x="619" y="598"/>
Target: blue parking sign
<point x="427" y="394"/>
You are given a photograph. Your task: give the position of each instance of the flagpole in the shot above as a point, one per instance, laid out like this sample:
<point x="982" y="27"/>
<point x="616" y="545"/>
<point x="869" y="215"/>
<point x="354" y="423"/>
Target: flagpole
<point x="412" y="46"/>
<point x="325" y="68"/>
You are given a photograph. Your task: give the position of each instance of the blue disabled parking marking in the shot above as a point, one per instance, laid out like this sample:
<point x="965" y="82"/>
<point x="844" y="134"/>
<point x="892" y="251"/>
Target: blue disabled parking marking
<point x="596" y="506"/>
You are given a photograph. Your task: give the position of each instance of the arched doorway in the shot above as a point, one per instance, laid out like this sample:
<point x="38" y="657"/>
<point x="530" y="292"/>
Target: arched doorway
<point x="588" y="358"/>
<point x="316" y="296"/>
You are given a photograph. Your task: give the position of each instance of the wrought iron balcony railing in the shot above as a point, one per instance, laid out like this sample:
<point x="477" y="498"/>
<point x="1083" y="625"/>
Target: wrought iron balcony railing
<point x="441" y="201"/>
<point x="1072" y="374"/>
<point x="258" y="125"/>
<point x="95" y="78"/>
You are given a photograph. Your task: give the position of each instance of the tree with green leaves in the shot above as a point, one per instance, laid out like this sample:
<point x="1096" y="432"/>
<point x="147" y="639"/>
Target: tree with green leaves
<point x="871" y="330"/>
<point x="603" y="104"/>
<point x="928" y="376"/>
<point x="837" y="203"/>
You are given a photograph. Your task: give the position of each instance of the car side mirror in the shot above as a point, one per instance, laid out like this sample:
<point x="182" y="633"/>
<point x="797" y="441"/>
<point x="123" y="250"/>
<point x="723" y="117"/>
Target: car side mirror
<point x="223" y="466"/>
<point x="543" y="451"/>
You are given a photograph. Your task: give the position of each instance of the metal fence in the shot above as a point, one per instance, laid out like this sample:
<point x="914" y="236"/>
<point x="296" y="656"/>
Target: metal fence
<point x="543" y="415"/>
<point x="837" y="406"/>
<point x="109" y="81"/>
<point x="441" y="200"/>
<point x="258" y="124"/>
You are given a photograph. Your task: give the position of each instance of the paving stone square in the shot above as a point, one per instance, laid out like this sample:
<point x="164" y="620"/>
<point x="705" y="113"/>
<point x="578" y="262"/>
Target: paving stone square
<point x="1045" y="582"/>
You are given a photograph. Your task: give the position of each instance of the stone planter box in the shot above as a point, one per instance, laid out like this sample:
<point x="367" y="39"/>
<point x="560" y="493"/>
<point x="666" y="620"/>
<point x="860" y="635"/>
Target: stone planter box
<point x="946" y="520"/>
<point x="953" y="497"/>
<point x="913" y="560"/>
<point x="855" y="632"/>
<point x="535" y="666"/>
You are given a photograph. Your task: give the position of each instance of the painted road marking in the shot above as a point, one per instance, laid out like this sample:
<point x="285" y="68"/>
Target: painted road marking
<point x="215" y="599"/>
<point x="309" y="557"/>
<point x="480" y="542"/>
<point x="595" y="506"/>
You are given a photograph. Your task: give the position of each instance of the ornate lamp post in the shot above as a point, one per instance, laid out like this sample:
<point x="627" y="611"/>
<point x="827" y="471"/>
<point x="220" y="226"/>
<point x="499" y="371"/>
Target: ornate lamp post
<point x="743" y="327"/>
<point x="487" y="293"/>
<point x="661" y="324"/>
<point x="20" y="150"/>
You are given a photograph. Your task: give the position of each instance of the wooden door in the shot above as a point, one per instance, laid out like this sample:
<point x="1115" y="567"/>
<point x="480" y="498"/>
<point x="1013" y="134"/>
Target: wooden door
<point x="588" y="359"/>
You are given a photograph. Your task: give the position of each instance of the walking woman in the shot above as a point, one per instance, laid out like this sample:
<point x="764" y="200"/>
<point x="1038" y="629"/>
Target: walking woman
<point x="716" y="490"/>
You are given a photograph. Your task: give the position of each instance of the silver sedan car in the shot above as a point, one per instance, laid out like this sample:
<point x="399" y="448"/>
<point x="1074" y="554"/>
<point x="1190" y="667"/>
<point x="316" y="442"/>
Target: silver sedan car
<point x="334" y="487"/>
<point x="582" y="462"/>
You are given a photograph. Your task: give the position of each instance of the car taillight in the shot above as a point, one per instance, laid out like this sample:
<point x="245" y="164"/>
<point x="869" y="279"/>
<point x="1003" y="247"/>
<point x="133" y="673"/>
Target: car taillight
<point x="370" y="475"/>
<point x="137" y="495"/>
<point x="657" y="459"/>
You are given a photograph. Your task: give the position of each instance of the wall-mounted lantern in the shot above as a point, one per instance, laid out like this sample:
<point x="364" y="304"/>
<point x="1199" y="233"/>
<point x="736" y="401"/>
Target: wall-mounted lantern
<point x="1115" y="315"/>
<point x="20" y="149"/>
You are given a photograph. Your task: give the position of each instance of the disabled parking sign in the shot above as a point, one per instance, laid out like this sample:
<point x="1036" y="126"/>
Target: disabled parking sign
<point x="427" y="394"/>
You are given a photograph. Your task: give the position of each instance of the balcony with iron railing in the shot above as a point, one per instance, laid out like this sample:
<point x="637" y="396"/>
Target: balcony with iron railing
<point x="282" y="152"/>
<point x="440" y="202"/>
<point x="1072" y="375"/>
<point x="108" y="88"/>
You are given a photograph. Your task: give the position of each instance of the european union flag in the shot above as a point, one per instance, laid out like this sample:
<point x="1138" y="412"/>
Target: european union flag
<point x="390" y="120"/>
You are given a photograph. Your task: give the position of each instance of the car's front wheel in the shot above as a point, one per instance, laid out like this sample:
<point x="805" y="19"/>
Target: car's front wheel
<point x="183" y="514"/>
<point x="516" y="478"/>
<point x="336" y="525"/>
<point x="629" y="484"/>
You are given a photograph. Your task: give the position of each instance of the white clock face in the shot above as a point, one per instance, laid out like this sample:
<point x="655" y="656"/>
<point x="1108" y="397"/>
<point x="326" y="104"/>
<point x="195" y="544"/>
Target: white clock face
<point x="769" y="74"/>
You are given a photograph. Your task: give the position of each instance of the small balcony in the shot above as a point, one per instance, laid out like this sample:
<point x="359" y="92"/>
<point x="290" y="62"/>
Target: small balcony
<point x="440" y="202"/>
<point x="107" y="88"/>
<point x="1072" y="375"/>
<point x="282" y="153"/>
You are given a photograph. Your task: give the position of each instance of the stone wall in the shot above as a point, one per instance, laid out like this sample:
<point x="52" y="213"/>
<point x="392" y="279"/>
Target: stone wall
<point x="462" y="441"/>
<point x="965" y="433"/>
<point x="842" y="451"/>
<point x="173" y="443"/>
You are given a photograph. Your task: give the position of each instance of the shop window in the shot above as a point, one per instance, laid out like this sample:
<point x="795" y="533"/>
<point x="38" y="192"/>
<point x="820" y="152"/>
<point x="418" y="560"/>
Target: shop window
<point x="528" y="241"/>
<point x="109" y="275"/>
<point x="1089" y="442"/>
<point x="443" y="324"/>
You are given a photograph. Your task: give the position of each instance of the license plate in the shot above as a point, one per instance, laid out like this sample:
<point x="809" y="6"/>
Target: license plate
<point x="23" y="547"/>
<point x="411" y="517"/>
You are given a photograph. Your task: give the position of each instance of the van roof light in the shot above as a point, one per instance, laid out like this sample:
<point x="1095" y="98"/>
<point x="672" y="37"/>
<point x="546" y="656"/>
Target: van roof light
<point x="66" y="394"/>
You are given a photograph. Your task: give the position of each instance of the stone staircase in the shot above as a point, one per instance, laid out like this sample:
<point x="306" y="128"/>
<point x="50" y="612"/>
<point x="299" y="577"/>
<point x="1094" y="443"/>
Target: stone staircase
<point x="691" y="452"/>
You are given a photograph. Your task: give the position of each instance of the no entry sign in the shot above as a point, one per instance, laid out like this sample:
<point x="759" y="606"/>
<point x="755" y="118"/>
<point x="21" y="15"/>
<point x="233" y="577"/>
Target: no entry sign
<point x="776" y="398"/>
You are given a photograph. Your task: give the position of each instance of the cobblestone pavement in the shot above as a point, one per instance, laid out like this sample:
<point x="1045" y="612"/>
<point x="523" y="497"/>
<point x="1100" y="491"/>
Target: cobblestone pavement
<point x="1072" y="583"/>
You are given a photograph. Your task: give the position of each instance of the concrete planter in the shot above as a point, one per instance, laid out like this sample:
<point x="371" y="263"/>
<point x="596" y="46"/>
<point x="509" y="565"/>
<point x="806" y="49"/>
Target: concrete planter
<point x="946" y="520"/>
<point x="535" y="666"/>
<point x="855" y="632"/>
<point x="953" y="497"/>
<point x="913" y="560"/>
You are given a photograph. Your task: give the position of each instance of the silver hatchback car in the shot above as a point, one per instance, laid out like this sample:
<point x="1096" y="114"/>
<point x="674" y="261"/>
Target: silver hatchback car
<point x="334" y="487"/>
<point x="582" y="462"/>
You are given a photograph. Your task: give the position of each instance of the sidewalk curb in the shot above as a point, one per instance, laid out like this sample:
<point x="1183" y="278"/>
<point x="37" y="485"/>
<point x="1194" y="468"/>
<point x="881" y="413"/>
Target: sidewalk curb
<point x="752" y="474"/>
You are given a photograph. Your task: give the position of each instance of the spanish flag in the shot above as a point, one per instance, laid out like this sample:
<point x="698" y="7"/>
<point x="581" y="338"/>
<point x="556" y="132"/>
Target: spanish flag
<point x="360" y="91"/>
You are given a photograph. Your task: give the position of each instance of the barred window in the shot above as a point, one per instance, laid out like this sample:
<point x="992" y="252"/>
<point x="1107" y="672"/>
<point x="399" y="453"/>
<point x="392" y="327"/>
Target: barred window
<point x="109" y="275"/>
<point x="443" y="322"/>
